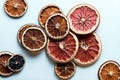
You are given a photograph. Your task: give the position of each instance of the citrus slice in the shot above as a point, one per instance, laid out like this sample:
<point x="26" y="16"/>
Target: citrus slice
<point x="16" y="63"/>
<point x="22" y="29"/>
<point x="4" y="56"/>
<point x="84" y="19"/>
<point x="109" y="70"/>
<point x="89" y="49"/>
<point x="15" y="8"/>
<point x="57" y="26"/>
<point x="65" y="70"/>
<point x="63" y="51"/>
<point x="34" y="39"/>
<point x="46" y="12"/>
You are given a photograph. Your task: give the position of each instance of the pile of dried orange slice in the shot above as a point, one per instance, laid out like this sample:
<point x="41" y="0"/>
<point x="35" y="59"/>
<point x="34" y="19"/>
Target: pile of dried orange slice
<point x="10" y="63"/>
<point x="68" y="39"/>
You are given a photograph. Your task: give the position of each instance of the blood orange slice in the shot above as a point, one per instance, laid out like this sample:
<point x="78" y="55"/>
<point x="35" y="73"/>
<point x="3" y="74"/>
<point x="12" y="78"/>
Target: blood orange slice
<point x="34" y="39"/>
<point x="15" y="8"/>
<point x="63" y="51"/>
<point x="89" y="49"/>
<point x="110" y="70"/>
<point x="84" y="19"/>
<point x="57" y="26"/>
<point x="22" y="29"/>
<point x="65" y="70"/>
<point x="46" y="12"/>
<point x="4" y="56"/>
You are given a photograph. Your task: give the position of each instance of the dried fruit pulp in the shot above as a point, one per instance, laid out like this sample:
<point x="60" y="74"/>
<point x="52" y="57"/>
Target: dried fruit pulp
<point x="34" y="39"/>
<point x="16" y="63"/>
<point x="84" y="19"/>
<point x="57" y="26"/>
<point x="4" y="56"/>
<point x="109" y="70"/>
<point x="15" y="8"/>
<point x="63" y="51"/>
<point x="22" y="29"/>
<point x="46" y="12"/>
<point x="89" y="49"/>
<point x="65" y="70"/>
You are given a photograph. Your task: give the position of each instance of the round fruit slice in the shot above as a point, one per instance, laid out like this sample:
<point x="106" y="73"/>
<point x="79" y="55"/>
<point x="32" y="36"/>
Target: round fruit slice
<point x="15" y="8"/>
<point x="84" y="19"/>
<point x="22" y="29"/>
<point x="57" y="26"/>
<point x="89" y="49"/>
<point x="110" y="70"/>
<point x="65" y="70"/>
<point x="34" y="39"/>
<point x="16" y="63"/>
<point x="64" y="50"/>
<point x="4" y="56"/>
<point x="46" y="12"/>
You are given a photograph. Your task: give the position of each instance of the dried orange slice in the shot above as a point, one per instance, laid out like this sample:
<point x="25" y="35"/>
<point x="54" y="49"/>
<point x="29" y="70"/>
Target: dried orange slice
<point x="84" y="19"/>
<point x="4" y="57"/>
<point x="22" y="29"/>
<point x="16" y="63"/>
<point x="15" y="8"/>
<point x="65" y="70"/>
<point x="46" y="12"/>
<point x="109" y="70"/>
<point x="57" y="26"/>
<point x="34" y="39"/>
<point x="63" y="51"/>
<point x="89" y="49"/>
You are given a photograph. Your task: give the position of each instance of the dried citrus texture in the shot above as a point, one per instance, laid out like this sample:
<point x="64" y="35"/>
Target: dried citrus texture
<point x="110" y="70"/>
<point x="22" y="29"/>
<point x="63" y="51"/>
<point x="16" y="63"/>
<point x="65" y="70"/>
<point x="57" y="26"/>
<point x="84" y="19"/>
<point x="89" y="49"/>
<point x="46" y="12"/>
<point x="4" y="56"/>
<point x="34" y="39"/>
<point x="15" y="8"/>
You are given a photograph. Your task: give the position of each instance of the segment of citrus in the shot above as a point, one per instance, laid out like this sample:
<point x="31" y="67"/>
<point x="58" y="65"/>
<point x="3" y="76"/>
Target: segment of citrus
<point x="65" y="70"/>
<point x="110" y="70"/>
<point x="16" y="63"/>
<point x="89" y="49"/>
<point x="57" y="26"/>
<point x="63" y="51"/>
<point x="84" y="19"/>
<point x="34" y="39"/>
<point x="15" y="8"/>
<point x="4" y="56"/>
<point x="46" y="12"/>
<point x="22" y="29"/>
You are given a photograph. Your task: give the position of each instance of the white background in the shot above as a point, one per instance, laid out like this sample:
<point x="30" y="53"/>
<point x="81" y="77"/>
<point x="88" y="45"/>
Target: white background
<point x="40" y="67"/>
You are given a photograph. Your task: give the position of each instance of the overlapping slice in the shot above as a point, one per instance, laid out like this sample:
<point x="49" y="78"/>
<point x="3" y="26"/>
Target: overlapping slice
<point x="109" y="70"/>
<point x="46" y="12"/>
<point x="34" y="39"/>
<point x="16" y="63"/>
<point x="4" y="70"/>
<point x="89" y="49"/>
<point x="84" y="19"/>
<point x="65" y="70"/>
<point x="22" y="29"/>
<point x="63" y="51"/>
<point x="15" y="8"/>
<point x="57" y="26"/>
